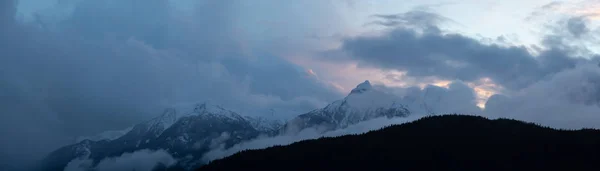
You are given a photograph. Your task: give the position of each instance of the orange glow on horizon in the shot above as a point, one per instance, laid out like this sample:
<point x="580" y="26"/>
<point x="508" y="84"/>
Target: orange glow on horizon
<point x="484" y="89"/>
<point x="588" y="9"/>
<point x="344" y="77"/>
<point x="443" y="83"/>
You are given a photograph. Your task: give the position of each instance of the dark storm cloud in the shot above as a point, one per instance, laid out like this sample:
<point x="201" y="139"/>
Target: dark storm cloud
<point x="112" y="63"/>
<point x="428" y="51"/>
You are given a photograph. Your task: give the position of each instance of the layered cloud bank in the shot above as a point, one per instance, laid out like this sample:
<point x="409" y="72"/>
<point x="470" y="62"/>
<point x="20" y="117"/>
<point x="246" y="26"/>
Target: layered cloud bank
<point x="553" y="83"/>
<point x="416" y="45"/>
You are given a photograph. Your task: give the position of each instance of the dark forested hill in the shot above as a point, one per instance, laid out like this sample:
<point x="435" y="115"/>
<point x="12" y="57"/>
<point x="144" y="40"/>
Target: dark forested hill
<point x="450" y="142"/>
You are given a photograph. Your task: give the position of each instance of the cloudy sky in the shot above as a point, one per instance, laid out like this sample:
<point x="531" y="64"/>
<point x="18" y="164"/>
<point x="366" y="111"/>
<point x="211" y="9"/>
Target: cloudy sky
<point x="72" y="68"/>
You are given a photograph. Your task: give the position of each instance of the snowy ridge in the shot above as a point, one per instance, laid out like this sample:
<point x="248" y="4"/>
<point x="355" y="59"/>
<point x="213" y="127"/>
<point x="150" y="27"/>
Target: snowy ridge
<point x="263" y="124"/>
<point x="157" y="125"/>
<point x="107" y="135"/>
<point x="170" y="116"/>
<point x="364" y="97"/>
<point x="362" y="87"/>
<point x="206" y="109"/>
<point x="363" y="103"/>
<point x="83" y="149"/>
<point x="173" y="114"/>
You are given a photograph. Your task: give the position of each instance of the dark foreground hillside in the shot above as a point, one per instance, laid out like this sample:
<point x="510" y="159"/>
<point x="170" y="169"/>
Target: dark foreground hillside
<point x="450" y="142"/>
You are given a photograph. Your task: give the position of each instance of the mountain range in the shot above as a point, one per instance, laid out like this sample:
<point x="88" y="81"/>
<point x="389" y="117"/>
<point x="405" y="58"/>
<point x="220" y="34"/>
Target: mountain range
<point x="187" y="132"/>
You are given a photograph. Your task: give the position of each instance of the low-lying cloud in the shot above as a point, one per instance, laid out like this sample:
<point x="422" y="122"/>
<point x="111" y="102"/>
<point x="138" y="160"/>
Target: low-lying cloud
<point x="305" y="134"/>
<point x="569" y="99"/>
<point x="142" y="160"/>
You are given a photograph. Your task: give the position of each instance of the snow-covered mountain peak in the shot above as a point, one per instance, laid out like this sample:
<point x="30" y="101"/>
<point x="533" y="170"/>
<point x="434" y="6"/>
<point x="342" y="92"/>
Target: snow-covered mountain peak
<point x="362" y="87"/>
<point x="208" y="107"/>
<point x="204" y="109"/>
<point x="201" y="108"/>
<point x="106" y="135"/>
<point x="154" y="126"/>
<point x="165" y="120"/>
<point x="365" y="102"/>
<point x="365" y="97"/>
<point x="264" y="124"/>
